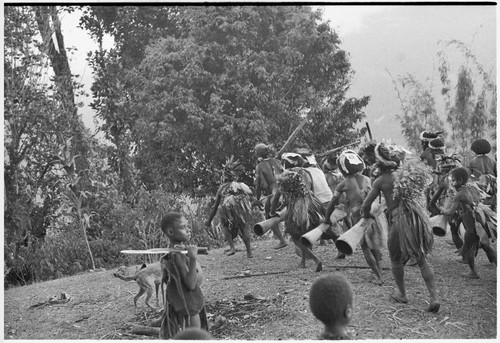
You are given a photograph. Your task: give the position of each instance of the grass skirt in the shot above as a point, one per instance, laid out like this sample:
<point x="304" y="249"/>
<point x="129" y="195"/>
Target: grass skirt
<point x="414" y="229"/>
<point x="235" y="213"/>
<point x="376" y="235"/>
<point x="304" y="213"/>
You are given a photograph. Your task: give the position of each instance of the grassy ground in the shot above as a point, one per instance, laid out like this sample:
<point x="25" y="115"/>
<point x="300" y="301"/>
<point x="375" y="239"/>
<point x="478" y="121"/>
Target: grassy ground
<point x="273" y="306"/>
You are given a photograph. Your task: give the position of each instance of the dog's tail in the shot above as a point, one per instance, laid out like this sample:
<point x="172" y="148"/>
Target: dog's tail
<point x="126" y="278"/>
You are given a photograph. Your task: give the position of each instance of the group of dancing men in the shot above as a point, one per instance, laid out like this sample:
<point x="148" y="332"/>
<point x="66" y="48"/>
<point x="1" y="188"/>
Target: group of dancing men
<point x="393" y="193"/>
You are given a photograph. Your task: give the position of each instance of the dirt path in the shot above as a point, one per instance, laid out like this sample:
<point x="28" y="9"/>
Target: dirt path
<point x="267" y="307"/>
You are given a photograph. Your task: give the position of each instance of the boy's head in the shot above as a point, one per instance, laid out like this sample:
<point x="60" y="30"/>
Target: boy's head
<point x="426" y="137"/>
<point x="307" y="155"/>
<point x="261" y="150"/>
<point x="175" y="226"/>
<point x="291" y="159"/>
<point x="331" y="299"/>
<point x="330" y="164"/>
<point x="459" y="177"/>
<point x="481" y="147"/>
<point x="350" y="163"/>
<point x="389" y="156"/>
<point x="367" y="152"/>
<point x="437" y="146"/>
<point x="193" y="333"/>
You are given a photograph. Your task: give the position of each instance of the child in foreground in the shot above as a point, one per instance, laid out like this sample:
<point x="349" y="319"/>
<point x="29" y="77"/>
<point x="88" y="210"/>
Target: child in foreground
<point x="192" y="334"/>
<point x="331" y="301"/>
<point x="184" y="301"/>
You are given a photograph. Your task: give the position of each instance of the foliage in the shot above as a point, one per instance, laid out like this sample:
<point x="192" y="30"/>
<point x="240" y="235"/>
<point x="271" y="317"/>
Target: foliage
<point x="411" y="179"/>
<point x="183" y="88"/>
<point x="228" y="77"/>
<point x="419" y="112"/>
<point x="471" y="107"/>
<point x="37" y="126"/>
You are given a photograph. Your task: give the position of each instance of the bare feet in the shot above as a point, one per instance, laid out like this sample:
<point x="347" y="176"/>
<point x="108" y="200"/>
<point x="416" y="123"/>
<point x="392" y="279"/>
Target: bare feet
<point x="434" y="307"/>
<point x="249" y="255"/>
<point x="471" y="275"/>
<point x="281" y="245"/>
<point x="400" y="299"/>
<point x="319" y="266"/>
<point x="376" y="280"/>
<point x="340" y="256"/>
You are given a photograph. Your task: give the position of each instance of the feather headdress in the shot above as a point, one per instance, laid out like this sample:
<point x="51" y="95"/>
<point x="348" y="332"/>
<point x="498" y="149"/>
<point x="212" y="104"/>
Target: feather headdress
<point x="390" y="155"/>
<point x="232" y="168"/>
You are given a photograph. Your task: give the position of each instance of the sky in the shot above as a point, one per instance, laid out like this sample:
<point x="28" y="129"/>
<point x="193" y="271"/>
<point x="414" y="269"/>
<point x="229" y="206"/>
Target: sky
<point x="381" y="41"/>
<point x="404" y="39"/>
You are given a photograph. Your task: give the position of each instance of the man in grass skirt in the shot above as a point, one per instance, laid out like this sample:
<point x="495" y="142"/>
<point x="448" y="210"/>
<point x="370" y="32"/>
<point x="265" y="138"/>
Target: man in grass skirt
<point x="233" y="205"/>
<point x="304" y="210"/>
<point x="409" y="227"/>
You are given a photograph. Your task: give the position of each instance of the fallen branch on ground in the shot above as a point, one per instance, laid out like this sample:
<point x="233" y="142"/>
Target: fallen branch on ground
<point x="358" y="267"/>
<point x="145" y="330"/>
<point x="250" y="275"/>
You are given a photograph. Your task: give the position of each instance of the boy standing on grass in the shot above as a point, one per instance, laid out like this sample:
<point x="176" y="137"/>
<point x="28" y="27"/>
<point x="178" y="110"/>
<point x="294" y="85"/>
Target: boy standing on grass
<point x="184" y="301"/>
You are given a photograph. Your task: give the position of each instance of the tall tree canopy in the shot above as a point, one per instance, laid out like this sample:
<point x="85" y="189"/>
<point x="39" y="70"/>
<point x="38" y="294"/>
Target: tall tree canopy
<point x="470" y="103"/>
<point x="45" y="139"/>
<point x="216" y="80"/>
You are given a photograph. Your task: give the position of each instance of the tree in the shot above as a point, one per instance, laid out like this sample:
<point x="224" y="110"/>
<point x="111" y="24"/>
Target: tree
<point x="467" y="109"/>
<point x="132" y="28"/>
<point x="418" y="106"/>
<point x="40" y="115"/>
<point x="227" y="78"/>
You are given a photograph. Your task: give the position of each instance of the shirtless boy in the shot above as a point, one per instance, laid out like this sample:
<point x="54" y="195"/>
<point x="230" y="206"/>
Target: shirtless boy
<point x="407" y="237"/>
<point x="356" y="186"/>
<point x="185" y="304"/>
<point x="463" y="204"/>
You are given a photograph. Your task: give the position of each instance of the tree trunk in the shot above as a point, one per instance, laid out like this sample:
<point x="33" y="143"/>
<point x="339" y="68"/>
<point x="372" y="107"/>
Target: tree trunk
<point x="49" y="25"/>
<point x="83" y="226"/>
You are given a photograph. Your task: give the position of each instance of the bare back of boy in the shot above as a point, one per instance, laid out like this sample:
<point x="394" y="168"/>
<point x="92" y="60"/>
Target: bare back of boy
<point x="355" y="187"/>
<point x="385" y="185"/>
<point x="266" y="176"/>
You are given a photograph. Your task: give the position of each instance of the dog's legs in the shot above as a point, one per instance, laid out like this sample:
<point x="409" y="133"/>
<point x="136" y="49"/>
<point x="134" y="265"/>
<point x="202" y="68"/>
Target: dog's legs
<point x="149" y="295"/>
<point x="157" y="286"/>
<point x="141" y="292"/>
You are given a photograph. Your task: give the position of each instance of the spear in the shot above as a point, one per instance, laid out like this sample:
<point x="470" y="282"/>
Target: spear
<point x="328" y="152"/>
<point x="369" y="131"/>
<point x="291" y="139"/>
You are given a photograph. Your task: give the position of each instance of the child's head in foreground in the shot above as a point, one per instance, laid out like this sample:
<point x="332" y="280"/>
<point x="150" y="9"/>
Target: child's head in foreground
<point x="175" y="226"/>
<point x="193" y="334"/>
<point x="331" y="301"/>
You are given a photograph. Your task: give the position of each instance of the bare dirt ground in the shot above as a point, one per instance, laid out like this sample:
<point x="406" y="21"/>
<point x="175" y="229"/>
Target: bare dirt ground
<point x="273" y="306"/>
